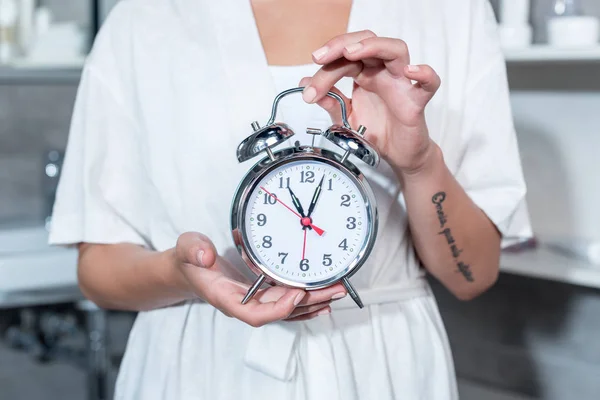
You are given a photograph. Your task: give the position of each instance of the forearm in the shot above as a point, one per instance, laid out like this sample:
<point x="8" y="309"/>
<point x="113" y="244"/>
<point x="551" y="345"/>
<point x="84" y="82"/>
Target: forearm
<point x="129" y="277"/>
<point x="455" y="240"/>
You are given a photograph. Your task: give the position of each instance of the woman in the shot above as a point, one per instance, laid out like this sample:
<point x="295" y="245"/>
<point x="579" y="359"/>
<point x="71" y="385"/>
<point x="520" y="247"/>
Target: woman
<point x="167" y="94"/>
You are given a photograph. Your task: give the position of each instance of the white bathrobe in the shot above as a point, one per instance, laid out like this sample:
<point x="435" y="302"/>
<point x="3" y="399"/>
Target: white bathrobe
<point x="167" y="94"/>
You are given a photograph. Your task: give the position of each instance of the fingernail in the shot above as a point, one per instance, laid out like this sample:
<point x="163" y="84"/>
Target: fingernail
<point x="199" y="256"/>
<point x="353" y="48"/>
<point x="324" y="311"/>
<point x="319" y="53"/>
<point x="299" y="298"/>
<point x="309" y="94"/>
<point x="413" y="68"/>
<point x="338" y="296"/>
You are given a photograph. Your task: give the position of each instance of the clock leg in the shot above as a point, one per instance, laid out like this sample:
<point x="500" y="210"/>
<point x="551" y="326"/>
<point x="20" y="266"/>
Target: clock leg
<point x="352" y="292"/>
<point x="252" y="291"/>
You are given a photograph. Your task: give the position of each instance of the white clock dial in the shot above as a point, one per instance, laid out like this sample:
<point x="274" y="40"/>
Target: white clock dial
<point x="314" y="248"/>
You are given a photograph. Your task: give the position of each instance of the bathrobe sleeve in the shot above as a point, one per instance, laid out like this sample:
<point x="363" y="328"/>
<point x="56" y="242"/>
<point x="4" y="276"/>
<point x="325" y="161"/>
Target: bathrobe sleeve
<point x="100" y="197"/>
<point x="490" y="166"/>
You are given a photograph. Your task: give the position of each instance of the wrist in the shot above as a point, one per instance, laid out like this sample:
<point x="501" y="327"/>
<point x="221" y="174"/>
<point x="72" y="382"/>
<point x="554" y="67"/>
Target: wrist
<point x="427" y="162"/>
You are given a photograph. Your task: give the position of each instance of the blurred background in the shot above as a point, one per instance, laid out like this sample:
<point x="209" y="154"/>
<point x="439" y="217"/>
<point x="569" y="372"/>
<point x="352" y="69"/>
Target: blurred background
<point x="535" y="335"/>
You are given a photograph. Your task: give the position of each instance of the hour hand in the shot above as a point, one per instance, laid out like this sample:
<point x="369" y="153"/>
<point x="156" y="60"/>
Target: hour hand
<point x="296" y="203"/>
<point x="315" y="198"/>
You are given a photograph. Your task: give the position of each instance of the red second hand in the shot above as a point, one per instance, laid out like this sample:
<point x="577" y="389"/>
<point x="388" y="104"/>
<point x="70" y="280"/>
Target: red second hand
<point x="318" y="230"/>
<point x="304" y="245"/>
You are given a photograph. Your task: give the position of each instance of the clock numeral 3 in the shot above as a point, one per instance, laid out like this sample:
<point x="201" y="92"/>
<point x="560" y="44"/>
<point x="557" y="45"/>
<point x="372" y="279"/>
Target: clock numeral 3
<point x="307" y="177"/>
<point x="262" y="219"/>
<point x="343" y="245"/>
<point x="270" y="198"/>
<point x="327" y="261"/>
<point x="304" y="265"/>
<point x="351" y="223"/>
<point x="345" y="201"/>
<point x="267" y="242"/>
<point x="283" y="257"/>
<point x="287" y="183"/>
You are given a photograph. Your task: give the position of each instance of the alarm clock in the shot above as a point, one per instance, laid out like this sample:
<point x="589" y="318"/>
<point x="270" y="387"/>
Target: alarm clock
<point x="303" y="216"/>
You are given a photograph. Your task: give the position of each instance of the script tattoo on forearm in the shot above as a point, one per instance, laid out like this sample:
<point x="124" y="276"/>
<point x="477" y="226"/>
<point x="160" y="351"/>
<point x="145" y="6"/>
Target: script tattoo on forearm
<point x="461" y="267"/>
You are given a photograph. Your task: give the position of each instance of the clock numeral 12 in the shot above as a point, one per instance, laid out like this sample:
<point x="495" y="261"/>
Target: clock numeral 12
<point x="307" y="177"/>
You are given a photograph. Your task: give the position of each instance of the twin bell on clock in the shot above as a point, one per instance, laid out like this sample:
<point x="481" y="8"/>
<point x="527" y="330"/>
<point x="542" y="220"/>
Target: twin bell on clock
<point x="304" y="217"/>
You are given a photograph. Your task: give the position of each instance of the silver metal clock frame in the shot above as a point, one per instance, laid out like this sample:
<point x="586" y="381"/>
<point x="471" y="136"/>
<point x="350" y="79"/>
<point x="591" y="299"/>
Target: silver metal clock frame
<point x="266" y="166"/>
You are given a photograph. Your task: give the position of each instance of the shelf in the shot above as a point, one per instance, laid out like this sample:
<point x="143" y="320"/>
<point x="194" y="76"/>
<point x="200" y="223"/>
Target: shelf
<point x="547" y="264"/>
<point x="41" y="74"/>
<point x="541" y="53"/>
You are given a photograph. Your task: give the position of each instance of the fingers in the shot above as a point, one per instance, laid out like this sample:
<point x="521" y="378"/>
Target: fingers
<point x="334" y="292"/>
<point x="314" y="314"/>
<point x="196" y="249"/>
<point x="330" y="104"/>
<point x="427" y="82"/>
<point x="393" y="53"/>
<point x="300" y="311"/>
<point x="328" y="76"/>
<point x="257" y="314"/>
<point x="333" y="49"/>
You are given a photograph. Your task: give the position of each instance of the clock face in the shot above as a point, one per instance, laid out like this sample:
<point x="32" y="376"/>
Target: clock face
<point x="306" y="221"/>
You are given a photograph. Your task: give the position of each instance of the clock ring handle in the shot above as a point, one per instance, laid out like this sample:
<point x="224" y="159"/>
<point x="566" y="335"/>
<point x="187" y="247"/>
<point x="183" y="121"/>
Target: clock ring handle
<point x="300" y="89"/>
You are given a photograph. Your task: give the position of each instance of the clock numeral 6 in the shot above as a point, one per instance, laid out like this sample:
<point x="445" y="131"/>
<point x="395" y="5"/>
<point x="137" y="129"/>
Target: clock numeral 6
<point x="345" y="201"/>
<point x="304" y="265"/>
<point x="270" y="198"/>
<point x="267" y="242"/>
<point x="327" y="261"/>
<point x="351" y="223"/>
<point x="283" y="257"/>
<point x="307" y="177"/>
<point x="262" y="219"/>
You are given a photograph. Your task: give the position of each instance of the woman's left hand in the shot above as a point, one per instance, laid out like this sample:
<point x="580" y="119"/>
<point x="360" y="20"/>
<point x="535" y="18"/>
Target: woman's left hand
<point x="384" y="99"/>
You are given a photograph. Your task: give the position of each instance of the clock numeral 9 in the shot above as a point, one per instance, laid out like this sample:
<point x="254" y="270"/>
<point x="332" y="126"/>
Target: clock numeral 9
<point x="351" y="223"/>
<point x="345" y="201"/>
<point x="283" y="257"/>
<point x="327" y="261"/>
<point x="267" y="242"/>
<point x="287" y="183"/>
<point x="262" y="219"/>
<point x="304" y="265"/>
<point x="270" y="198"/>
<point x="307" y="177"/>
<point x="343" y="245"/>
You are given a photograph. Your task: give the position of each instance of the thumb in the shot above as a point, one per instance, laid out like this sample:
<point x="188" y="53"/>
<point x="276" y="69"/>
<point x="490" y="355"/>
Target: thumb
<point x="330" y="104"/>
<point x="196" y="249"/>
<point x="427" y="82"/>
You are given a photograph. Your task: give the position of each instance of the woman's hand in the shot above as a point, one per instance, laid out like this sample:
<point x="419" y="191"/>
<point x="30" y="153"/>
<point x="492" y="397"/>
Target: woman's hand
<point x="207" y="275"/>
<point x="384" y="99"/>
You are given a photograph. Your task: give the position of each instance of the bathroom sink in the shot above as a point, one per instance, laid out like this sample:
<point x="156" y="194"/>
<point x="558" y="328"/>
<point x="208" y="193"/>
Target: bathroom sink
<point x="32" y="272"/>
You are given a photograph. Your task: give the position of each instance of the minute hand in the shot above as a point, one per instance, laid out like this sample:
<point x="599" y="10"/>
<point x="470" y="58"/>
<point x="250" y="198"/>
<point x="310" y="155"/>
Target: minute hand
<point x="315" y="198"/>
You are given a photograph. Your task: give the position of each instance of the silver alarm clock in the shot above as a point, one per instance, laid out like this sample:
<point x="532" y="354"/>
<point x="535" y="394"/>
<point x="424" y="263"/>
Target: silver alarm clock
<point x="304" y="217"/>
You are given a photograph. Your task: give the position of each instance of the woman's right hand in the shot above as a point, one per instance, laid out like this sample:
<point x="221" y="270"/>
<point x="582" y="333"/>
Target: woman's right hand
<point x="203" y="275"/>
